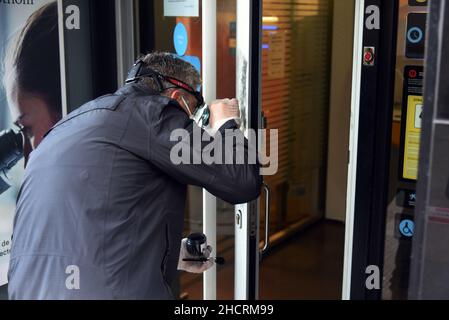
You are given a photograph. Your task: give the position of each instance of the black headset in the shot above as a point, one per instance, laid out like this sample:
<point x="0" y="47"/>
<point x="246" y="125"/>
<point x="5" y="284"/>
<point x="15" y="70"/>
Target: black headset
<point x="139" y="71"/>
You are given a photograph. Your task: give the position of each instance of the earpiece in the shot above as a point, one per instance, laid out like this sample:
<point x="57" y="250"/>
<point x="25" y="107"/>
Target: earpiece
<point x="187" y="106"/>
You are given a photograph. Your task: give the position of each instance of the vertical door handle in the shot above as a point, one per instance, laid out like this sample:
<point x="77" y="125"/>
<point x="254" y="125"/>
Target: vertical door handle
<point x="267" y="221"/>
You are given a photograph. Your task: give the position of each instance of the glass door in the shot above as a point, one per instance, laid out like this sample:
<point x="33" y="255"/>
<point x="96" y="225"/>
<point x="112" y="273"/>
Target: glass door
<point x="296" y="100"/>
<point x="275" y="57"/>
<point x="297" y="41"/>
<point x="205" y="34"/>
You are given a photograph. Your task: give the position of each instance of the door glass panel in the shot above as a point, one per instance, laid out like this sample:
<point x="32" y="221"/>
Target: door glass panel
<point x="226" y="84"/>
<point x="297" y="66"/>
<point x="295" y="99"/>
<point x="226" y="88"/>
<point x="182" y="36"/>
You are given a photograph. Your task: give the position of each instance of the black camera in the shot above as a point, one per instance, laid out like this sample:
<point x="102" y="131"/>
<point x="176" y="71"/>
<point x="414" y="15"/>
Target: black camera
<point x="196" y="244"/>
<point x="11" y="152"/>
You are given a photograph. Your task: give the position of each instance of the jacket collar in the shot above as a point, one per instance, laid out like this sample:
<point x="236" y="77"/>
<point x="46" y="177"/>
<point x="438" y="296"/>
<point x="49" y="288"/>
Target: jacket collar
<point x="136" y="89"/>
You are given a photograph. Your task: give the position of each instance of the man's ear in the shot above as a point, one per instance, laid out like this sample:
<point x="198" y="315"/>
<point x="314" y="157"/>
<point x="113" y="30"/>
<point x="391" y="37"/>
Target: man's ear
<point x="175" y="95"/>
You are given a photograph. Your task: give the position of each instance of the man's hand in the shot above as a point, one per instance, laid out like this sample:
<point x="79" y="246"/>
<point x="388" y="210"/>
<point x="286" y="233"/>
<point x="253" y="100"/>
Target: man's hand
<point x="194" y="267"/>
<point x="221" y="110"/>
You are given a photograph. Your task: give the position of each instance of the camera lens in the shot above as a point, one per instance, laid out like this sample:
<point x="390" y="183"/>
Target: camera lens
<point x="195" y="244"/>
<point x="11" y="149"/>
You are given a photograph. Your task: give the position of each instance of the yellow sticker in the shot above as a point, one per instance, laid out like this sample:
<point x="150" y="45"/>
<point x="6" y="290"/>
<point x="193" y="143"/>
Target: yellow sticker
<point x="413" y="137"/>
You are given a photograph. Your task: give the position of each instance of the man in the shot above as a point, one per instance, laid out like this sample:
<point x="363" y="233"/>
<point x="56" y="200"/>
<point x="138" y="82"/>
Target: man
<point x="100" y="212"/>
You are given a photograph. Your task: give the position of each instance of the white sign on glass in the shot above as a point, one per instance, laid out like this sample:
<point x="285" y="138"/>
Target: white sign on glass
<point x="181" y="8"/>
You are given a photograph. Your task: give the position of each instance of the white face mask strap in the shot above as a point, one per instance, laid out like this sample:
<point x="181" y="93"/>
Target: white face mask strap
<point x="187" y="106"/>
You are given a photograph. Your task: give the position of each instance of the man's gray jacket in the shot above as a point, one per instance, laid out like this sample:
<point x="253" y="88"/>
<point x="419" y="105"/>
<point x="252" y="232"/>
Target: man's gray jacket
<point x="101" y="210"/>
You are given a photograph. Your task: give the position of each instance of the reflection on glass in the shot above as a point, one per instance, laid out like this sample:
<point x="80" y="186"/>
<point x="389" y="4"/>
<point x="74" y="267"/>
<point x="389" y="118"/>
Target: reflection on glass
<point x="295" y="100"/>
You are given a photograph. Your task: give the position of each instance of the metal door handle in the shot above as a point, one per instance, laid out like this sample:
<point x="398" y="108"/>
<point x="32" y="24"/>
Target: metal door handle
<point x="267" y="220"/>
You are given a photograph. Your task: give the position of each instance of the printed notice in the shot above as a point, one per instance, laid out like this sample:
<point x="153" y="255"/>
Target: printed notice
<point x="181" y="8"/>
<point x="276" y="55"/>
<point x="412" y="113"/>
<point x="412" y="137"/>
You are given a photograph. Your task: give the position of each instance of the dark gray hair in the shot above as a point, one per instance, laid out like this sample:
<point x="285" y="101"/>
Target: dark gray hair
<point x="170" y="65"/>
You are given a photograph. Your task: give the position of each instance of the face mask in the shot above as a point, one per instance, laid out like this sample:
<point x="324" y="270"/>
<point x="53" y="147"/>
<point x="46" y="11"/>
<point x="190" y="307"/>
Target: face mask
<point x="201" y="117"/>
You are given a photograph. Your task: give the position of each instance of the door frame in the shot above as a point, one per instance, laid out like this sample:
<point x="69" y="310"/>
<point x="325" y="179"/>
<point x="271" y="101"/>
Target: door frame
<point x="249" y="84"/>
<point x="125" y="35"/>
<point x="353" y="146"/>
<point x="372" y="114"/>
<point x="209" y="72"/>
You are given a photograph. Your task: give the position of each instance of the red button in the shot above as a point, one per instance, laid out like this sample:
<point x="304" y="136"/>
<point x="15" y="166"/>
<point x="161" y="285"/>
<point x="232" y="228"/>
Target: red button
<point x="368" y="56"/>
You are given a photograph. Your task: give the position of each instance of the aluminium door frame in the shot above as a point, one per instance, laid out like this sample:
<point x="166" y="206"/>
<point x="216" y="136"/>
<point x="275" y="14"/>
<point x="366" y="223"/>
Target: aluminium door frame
<point x="209" y="68"/>
<point x="124" y="29"/>
<point x="359" y="21"/>
<point x="249" y="47"/>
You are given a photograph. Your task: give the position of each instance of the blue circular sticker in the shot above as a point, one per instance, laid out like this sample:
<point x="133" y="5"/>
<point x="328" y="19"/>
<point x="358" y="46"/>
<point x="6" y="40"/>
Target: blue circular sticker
<point x="415" y="35"/>
<point x="406" y="227"/>
<point x="180" y="39"/>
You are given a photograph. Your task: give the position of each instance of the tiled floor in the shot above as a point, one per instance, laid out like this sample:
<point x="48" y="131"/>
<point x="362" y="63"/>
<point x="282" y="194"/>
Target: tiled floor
<point x="310" y="266"/>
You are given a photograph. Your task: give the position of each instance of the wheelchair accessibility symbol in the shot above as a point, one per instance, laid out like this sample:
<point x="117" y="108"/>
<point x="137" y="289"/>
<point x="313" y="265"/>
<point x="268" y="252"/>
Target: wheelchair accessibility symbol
<point x="406" y="227"/>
